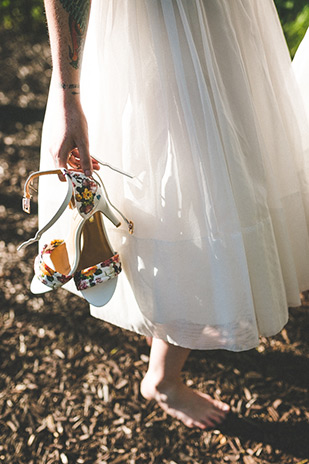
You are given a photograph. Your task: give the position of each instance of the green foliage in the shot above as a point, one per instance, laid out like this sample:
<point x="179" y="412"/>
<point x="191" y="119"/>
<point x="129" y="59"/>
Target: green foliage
<point x="294" y="16"/>
<point x="296" y="30"/>
<point x="22" y="16"/>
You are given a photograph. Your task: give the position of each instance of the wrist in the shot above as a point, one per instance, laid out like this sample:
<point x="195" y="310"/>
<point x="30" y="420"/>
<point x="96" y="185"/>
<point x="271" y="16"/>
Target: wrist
<point x="69" y="88"/>
<point x="66" y="94"/>
<point x="65" y="85"/>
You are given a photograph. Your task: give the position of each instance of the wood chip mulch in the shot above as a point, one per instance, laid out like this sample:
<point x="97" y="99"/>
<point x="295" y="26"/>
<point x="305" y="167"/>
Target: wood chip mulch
<point x="69" y="384"/>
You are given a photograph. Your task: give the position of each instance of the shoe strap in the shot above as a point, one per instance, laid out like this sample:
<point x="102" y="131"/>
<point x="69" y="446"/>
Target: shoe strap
<point x="98" y="274"/>
<point x="26" y="203"/>
<point x="120" y="171"/>
<point x="45" y="273"/>
<point x="28" y="184"/>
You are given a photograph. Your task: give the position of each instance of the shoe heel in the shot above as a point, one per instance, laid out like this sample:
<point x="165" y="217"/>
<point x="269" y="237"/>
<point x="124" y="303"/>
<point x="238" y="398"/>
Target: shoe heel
<point x="106" y="210"/>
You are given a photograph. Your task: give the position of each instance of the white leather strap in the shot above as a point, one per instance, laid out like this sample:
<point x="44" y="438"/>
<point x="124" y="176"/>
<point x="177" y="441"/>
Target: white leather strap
<point x="113" y="168"/>
<point x="26" y="206"/>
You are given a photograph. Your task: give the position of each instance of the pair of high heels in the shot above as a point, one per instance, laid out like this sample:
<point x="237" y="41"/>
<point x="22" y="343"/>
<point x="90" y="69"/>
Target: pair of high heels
<point x="86" y="255"/>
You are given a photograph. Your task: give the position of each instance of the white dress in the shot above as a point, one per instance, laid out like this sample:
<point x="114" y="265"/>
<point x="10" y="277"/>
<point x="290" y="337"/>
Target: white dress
<point x="301" y="69"/>
<point x="196" y="99"/>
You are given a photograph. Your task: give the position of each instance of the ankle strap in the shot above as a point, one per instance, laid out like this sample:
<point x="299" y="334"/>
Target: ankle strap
<point x="120" y="171"/>
<point x="27" y="195"/>
<point x="26" y="204"/>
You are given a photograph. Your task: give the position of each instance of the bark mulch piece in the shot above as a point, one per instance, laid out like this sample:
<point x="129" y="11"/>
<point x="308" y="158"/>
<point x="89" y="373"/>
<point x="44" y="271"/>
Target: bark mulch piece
<point x="69" y="384"/>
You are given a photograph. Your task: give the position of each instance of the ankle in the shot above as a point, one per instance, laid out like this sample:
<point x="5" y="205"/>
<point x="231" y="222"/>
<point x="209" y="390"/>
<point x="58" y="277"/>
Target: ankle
<point x="154" y="384"/>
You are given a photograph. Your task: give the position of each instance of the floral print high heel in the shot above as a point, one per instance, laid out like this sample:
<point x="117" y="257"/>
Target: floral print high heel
<point x="94" y="264"/>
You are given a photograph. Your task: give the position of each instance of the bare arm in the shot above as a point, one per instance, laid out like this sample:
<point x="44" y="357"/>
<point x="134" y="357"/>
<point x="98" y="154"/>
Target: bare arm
<point x="67" y="24"/>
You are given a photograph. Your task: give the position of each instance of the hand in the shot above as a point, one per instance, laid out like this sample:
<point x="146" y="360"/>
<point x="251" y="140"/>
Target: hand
<point x="69" y="136"/>
<point x="74" y="161"/>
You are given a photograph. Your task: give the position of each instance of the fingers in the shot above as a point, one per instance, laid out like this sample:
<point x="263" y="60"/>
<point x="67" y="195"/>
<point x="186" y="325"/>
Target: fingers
<point x="74" y="161"/>
<point x="85" y="159"/>
<point x="61" y="154"/>
<point x="95" y="164"/>
<point x="77" y="158"/>
<point x="59" y="161"/>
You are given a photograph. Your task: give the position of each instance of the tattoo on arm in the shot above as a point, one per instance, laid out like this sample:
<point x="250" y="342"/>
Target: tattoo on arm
<point x="73" y="87"/>
<point x="78" y="21"/>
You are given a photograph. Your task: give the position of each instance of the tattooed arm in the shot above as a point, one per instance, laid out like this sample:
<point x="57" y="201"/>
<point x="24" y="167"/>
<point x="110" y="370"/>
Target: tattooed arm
<point x="67" y="24"/>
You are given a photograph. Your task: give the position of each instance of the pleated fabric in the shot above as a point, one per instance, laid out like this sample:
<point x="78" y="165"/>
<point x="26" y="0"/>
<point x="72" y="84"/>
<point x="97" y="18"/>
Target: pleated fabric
<point x="197" y="99"/>
<point x="301" y="69"/>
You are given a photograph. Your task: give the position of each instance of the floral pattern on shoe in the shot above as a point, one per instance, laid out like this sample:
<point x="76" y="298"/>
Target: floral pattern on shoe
<point x="98" y="274"/>
<point x="85" y="192"/>
<point x="46" y="274"/>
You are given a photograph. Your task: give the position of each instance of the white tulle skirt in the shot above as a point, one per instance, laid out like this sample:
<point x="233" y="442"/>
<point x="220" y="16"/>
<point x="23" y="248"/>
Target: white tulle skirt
<point x="197" y="99"/>
<point x="301" y="69"/>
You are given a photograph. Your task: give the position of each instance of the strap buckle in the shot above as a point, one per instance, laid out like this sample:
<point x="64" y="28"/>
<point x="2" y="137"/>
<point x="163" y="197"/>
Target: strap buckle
<point x="26" y="204"/>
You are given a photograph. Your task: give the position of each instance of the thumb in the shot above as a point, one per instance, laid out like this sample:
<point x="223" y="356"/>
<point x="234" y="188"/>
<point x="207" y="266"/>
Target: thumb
<point x="60" y="160"/>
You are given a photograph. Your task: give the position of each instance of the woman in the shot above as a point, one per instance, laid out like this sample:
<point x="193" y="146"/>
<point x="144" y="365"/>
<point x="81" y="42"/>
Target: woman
<point x="192" y="98"/>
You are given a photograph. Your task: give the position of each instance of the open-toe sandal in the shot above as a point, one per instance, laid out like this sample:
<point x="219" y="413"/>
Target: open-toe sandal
<point x="86" y="254"/>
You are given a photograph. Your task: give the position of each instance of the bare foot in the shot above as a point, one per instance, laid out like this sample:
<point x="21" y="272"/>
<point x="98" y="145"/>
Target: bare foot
<point x="193" y="408"/>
